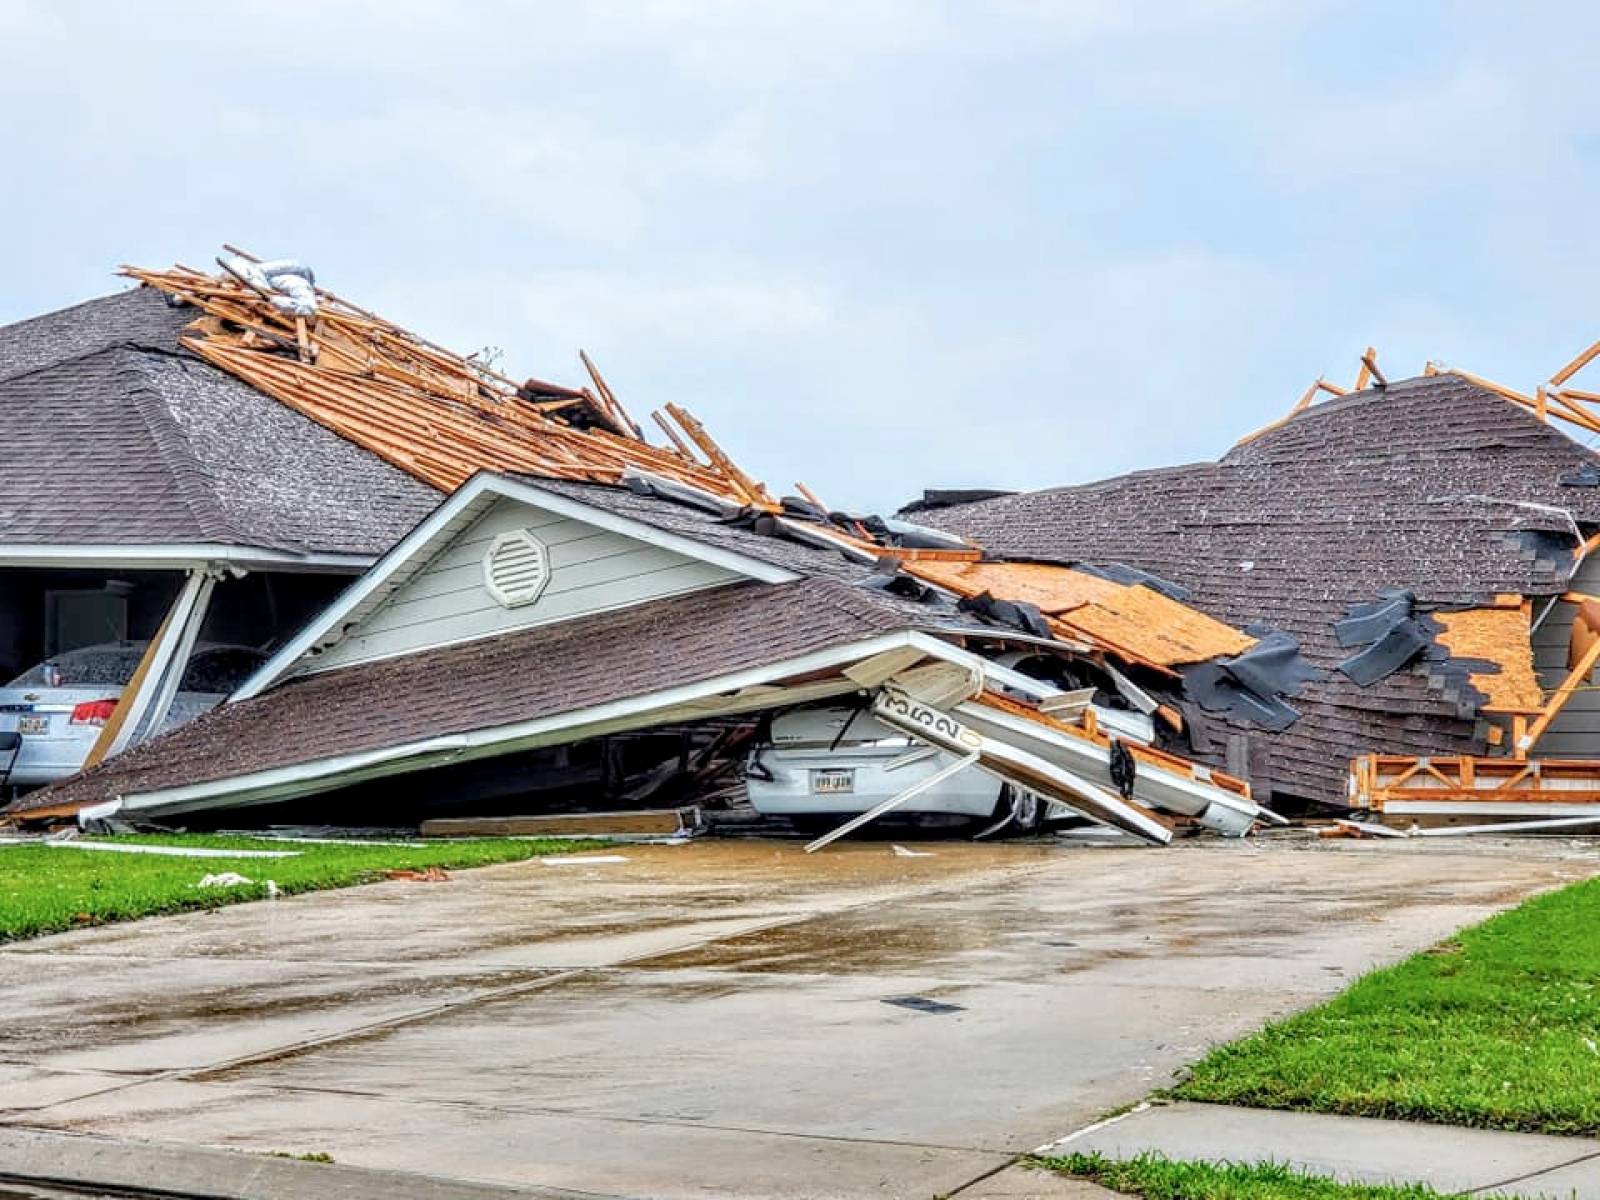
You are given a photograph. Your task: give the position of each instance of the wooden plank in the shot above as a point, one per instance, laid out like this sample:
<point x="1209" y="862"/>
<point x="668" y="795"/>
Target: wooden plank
<point x="125" y="702"/>
<point x="663" y="822"/>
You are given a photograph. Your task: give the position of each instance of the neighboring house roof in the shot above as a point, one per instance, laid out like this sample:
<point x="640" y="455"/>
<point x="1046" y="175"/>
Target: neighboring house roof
<point x="1435" y="485"/>
<point x="112" y="435"/>
<point x="492" y="682"/>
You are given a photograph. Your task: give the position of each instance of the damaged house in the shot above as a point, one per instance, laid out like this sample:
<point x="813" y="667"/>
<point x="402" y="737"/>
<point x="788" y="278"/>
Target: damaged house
<point x="1384" y="601"/>
<point x="1417" y="555"/>
<point x="590" y="610"/>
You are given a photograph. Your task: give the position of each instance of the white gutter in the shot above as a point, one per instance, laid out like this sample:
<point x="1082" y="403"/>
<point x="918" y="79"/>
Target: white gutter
<point x="175" y="556"/>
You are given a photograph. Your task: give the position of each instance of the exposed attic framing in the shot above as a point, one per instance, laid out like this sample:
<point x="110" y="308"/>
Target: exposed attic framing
<point x="433" y="413"/>
<point x="1551" y="400"/>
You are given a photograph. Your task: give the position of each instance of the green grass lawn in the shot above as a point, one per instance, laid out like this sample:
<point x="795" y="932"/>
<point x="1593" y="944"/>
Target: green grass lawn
<point x="1157" y="1178"/>
<point x="1498" y="1027"/>
<point x="45" y="890"/>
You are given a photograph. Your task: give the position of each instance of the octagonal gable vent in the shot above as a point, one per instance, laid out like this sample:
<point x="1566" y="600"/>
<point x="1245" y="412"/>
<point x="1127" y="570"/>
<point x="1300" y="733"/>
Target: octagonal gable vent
<point x="516" y="568"/>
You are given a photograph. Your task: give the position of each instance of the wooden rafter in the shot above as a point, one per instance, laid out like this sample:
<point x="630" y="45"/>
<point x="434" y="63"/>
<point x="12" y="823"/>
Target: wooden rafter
<point x="431" y="412"/>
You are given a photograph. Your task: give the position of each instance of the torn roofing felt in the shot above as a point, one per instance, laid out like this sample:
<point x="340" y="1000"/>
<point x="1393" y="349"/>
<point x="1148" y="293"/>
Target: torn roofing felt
<point x="1254" y="686"/>
<point x="114" y="434"/>
<point x="1384" y="634"/>
<point x="1437" y="486"/>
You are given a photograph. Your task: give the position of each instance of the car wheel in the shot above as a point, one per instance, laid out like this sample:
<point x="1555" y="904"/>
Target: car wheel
<point x="1021" y="810"/>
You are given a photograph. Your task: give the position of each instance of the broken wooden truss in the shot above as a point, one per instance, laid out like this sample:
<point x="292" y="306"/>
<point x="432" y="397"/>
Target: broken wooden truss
<point x="1515" y="786"/>
<point x="1553" y="400"/>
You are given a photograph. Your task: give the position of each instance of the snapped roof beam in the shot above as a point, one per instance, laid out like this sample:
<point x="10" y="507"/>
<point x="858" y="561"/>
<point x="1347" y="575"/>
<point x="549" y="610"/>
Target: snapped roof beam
<point x="1583" y="359"/>
<point x="1370" y="371"/>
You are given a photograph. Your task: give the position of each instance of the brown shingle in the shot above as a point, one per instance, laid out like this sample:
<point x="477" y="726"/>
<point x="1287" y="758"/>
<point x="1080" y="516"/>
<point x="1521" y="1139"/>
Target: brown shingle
<point x="113" y="435"/>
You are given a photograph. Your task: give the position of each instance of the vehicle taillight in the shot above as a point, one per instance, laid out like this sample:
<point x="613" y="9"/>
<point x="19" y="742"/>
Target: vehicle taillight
<point x="93" y="712"/>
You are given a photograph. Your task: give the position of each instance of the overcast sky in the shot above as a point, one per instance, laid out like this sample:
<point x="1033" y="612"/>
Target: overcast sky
<point x="875" y="246"/>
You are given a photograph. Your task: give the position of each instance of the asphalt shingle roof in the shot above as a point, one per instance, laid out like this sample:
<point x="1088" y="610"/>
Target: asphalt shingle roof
<point x="111" y="433"/>
<point x="1436" y="485"/>
<point x="702" y="526"/>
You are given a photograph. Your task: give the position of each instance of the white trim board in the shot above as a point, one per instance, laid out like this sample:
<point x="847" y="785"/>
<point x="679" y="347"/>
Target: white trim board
<point x="456" y="514"/>
<point x="177" y="556"/>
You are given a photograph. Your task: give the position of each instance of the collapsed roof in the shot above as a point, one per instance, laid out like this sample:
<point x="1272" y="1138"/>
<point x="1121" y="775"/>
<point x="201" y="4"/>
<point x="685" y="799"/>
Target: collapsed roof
<point x="646" y="611"/>
<point x="1435" y="485"/>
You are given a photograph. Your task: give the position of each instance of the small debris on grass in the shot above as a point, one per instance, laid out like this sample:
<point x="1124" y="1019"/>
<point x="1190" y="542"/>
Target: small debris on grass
<point x="408" y="875"/>
<point x="225" y="879"/>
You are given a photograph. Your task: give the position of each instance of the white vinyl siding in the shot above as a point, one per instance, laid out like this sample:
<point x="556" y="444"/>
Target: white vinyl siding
<point x="1576" y="732"/>
<point x="591" y="570"/>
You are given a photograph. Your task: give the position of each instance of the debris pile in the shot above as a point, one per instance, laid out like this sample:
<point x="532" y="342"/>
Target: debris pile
<point x="429" y="411"/>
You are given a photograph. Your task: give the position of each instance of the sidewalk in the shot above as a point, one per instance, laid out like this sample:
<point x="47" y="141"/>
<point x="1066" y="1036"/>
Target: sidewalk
<point x="1353" y="1149"/>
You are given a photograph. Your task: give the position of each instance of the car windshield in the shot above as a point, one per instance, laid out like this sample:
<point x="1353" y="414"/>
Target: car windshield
<point x="89" y="666"/>
<point x="220" y="670"/>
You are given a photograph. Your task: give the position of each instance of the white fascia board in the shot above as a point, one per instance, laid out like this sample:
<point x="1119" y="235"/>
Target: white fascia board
<point x="176" y="556"/>
<point x="329" y="772"/>
<point x="1490" y="807"/>
<point x="478" y="492"/>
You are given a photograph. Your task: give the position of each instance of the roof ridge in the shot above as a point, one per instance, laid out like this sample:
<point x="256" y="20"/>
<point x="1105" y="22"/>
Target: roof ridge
<point x="197" y="486"/>
<point x="1531" y="425"/>
<point x="66" y="308"/>
<point x="113" y="348"/>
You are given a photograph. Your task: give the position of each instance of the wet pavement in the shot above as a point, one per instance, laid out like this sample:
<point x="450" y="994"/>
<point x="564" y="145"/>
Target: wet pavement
<point x="711" y="1019"/>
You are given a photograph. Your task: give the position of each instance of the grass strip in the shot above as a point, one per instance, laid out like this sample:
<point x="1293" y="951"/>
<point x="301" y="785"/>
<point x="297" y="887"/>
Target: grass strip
<point x="1157" y="1178"/>
<point x="47" y="890"/>
<point x="1498" y="1028"/>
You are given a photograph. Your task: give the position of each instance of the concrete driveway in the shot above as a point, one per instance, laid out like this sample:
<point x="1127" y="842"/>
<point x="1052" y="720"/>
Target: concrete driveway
<point x="713" y="1019"/>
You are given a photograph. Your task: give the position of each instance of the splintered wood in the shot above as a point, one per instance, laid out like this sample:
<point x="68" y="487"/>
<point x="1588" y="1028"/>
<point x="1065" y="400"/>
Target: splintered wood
<point x="429" y="411"/>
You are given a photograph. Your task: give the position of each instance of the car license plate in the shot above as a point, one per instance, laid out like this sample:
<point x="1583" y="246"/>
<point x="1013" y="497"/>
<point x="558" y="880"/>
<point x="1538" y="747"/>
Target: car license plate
<point x="833" y="781"/>
<point x="33" y="724"/>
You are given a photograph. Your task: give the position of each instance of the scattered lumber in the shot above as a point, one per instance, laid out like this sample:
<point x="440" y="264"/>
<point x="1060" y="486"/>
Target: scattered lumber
<point x="645" y="822"/>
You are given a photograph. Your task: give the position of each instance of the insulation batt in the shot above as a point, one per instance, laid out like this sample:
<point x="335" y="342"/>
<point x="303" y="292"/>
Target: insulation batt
<point x="290" y="284"/>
